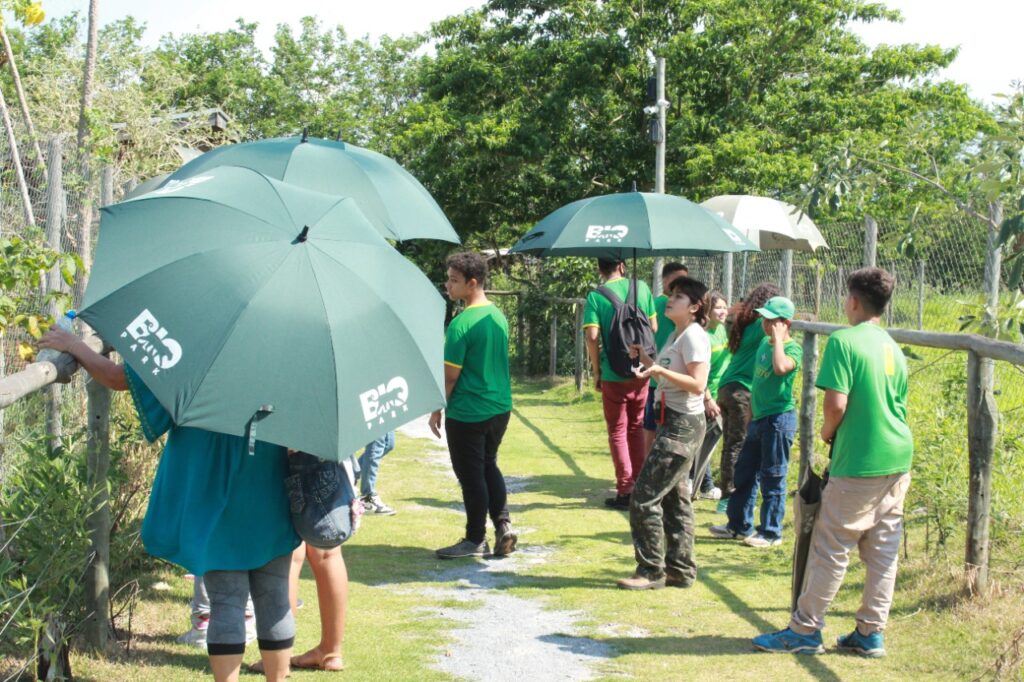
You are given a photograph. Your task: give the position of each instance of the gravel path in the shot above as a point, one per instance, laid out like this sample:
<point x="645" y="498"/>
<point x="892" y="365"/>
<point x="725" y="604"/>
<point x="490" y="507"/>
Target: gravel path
<point x="501" y="637"/>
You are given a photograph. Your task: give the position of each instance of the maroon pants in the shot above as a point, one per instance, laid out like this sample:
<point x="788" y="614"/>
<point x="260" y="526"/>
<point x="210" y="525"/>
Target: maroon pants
<point x="624" y="414"/>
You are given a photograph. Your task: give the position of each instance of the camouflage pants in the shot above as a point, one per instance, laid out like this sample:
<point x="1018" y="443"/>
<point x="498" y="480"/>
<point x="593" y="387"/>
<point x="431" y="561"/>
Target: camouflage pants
<point x="660" y="513"/>
<point x="734" y="400"/>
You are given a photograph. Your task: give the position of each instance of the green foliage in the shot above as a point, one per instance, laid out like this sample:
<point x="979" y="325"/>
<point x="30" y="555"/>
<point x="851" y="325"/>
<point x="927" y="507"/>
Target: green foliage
<point x="23" y="264"/>
<point x="44" y="504"/>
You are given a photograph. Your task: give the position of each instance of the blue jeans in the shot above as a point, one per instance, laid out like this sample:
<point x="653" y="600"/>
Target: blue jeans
<point x="369" y="462"/>
<point x="764" y="461"/>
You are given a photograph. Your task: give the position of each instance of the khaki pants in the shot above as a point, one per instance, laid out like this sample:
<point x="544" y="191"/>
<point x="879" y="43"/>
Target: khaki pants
<point x="866" y="513"/>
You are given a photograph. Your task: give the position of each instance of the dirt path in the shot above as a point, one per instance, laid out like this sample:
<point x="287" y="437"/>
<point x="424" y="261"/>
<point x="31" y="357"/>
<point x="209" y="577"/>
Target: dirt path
<point x="501" y="636"/>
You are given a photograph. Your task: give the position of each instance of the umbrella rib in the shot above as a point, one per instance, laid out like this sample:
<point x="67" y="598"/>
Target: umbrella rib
<point x="334" y="358"/>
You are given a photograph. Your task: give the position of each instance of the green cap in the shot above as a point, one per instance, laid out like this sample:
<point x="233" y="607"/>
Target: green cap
<point x="778" y="306"/>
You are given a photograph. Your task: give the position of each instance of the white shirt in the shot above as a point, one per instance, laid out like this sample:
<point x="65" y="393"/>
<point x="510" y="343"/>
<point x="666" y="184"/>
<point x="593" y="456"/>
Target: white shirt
<point x="692" y="345"/>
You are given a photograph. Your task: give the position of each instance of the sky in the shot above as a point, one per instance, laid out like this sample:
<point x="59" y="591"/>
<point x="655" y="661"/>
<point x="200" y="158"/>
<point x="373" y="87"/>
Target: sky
<point x="987" y="31"/>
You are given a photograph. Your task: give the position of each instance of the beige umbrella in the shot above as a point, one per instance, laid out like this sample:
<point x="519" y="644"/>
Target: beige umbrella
<point x="769" y="223"/>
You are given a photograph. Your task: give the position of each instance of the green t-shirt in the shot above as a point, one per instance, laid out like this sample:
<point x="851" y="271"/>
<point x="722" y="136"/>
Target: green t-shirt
<point x="720" y="357"/>
<point x="770" y="393"/>
<point x="598" y="312"/>
<point x="666" y="327"/>
<point x="873" y="439"/>
<point x="741" y="367"/>
<point x="477" y="343"/>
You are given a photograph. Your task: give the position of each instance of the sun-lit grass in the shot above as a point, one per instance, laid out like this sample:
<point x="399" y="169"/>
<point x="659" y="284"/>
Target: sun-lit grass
<point x="399" y="624"/>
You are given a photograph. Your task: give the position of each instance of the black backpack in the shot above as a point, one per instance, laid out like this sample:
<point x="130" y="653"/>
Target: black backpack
<point x="629" y="326"/>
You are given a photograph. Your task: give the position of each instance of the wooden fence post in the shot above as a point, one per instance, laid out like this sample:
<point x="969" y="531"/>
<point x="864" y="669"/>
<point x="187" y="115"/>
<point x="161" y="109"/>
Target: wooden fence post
<point x="553" y="347"/>
<point x="817" y="290"/>
<point x="98" y="632"/>
<point x="870" y="242"/>
<point x="786" y="266"/>
<point x="920" y="294"/>
<point x="579" y="348"/>
<point x="982" y="422"/>
<point x="727" y="277"/>
<point x="54" y="229"/>
<point x="808" y="404"/>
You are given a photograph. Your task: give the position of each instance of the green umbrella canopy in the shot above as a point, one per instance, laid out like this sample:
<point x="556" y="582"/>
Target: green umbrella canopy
<point x="392" y="199"/>
<point x="632" y="224"/>
<point x="230" y="291"/>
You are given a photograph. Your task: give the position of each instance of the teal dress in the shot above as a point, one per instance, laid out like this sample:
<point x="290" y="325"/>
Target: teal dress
<point x="213" y="506"/>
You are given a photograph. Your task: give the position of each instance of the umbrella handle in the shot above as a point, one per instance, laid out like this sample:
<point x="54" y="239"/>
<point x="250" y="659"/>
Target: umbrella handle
<point x="251" y="426"/>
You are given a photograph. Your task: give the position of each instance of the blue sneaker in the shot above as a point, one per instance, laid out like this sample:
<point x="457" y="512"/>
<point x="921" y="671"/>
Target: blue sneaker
<point x="789" y="642"/>
<point x="872" y="646"/>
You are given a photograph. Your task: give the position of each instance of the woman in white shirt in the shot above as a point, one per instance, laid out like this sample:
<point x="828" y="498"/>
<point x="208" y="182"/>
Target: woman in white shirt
<point x="660" y="513"/>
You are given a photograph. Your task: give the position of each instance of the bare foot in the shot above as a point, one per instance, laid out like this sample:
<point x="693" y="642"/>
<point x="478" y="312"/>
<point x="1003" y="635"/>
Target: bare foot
<point x="257" y="668"/>
<point x="314" y="660"/>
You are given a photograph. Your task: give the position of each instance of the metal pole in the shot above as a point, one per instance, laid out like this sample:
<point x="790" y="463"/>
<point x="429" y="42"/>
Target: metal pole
<point x="659" y="163"/>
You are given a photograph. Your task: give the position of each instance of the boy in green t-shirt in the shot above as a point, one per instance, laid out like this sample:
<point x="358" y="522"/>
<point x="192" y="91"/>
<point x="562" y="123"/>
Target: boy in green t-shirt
<point x="623" y="397"/>
<point x="476" y="378"/>
<point x="864" y="375"/>
<point x="764" y="458"/>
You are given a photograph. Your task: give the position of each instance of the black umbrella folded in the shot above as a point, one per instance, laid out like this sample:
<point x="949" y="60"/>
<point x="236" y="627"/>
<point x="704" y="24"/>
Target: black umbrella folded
<point x="805" y="513"/>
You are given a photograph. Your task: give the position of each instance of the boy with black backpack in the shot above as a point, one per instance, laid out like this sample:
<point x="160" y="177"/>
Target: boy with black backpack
<point x="616" y="317"/>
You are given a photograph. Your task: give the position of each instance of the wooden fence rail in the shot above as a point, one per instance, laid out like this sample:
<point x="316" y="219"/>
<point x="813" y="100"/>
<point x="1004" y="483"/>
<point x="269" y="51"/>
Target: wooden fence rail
<point x="982" y="423"/>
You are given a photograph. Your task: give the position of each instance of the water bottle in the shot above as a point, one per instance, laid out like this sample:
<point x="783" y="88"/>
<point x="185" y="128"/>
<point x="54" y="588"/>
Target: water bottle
<point x="67" y="323"/>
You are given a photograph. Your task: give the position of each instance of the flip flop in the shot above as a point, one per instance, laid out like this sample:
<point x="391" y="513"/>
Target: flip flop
<point x="330" y="663"/>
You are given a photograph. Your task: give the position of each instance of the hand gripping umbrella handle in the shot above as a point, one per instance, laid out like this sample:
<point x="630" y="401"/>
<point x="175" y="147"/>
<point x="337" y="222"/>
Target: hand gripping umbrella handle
<point x="251" y="426"/>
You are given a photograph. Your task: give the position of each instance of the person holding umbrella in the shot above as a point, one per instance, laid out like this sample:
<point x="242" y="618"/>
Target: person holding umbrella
<point x="202" y="516"/>
<point x="479" y="391"/>
<point x="864" y="376"/>
<point x="660" y="510"/>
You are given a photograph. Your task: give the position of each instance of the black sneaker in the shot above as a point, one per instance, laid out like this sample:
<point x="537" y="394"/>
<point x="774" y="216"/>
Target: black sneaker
<point x="617" y="502"/>
<point x="463" y="548"/>
<point x="505" y="539"/>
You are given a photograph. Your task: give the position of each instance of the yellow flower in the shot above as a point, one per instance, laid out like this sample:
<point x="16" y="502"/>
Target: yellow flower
<point x="34" y="14"/>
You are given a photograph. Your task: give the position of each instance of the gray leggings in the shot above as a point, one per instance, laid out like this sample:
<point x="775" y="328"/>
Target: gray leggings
<point x="229" y="591"/>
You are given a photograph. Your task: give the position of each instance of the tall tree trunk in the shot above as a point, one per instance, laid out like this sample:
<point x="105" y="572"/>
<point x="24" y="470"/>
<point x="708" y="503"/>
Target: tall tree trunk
<point x="85" y="213"/>
<point x="22" y="102"/>
<point x="12" y="141"/>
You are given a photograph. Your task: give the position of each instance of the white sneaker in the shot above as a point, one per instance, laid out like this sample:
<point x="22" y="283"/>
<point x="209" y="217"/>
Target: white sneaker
<point x="713" y="494"/>
<point x="374" y="506"/>
<point x="197" y="635"/>
<point x="760" y="541"/>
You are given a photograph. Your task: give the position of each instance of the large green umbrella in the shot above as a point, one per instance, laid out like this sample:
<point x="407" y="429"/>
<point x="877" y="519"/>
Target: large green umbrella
<point x="393" y="200"/>
<point x="632" y="224"/>
<point x="235" y="296"/>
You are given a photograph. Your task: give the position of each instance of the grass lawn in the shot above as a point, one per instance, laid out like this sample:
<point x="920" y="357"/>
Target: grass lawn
<point x="402" y="616"/>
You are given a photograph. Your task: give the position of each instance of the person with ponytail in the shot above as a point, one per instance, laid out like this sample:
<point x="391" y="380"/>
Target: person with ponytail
<point x="734" y="386"/>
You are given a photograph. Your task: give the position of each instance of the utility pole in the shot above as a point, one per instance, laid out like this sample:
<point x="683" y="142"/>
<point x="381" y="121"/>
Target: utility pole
<point x="657" y="136"/>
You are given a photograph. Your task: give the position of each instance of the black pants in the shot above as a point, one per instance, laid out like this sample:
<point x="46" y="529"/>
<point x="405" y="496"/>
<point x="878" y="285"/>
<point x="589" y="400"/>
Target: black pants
<point x="473" y="447"/>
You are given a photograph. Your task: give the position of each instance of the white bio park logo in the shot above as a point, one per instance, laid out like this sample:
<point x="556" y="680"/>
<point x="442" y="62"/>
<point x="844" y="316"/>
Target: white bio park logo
<point x="386" y="398"/>
<point x="153" y="341"/>
<point x="176" y="185"/>
<point x="606" y="233"/>
<point x="736" y="239"/>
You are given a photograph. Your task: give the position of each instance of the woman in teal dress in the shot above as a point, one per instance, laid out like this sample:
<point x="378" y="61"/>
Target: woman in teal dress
<point x="218" y="512"/>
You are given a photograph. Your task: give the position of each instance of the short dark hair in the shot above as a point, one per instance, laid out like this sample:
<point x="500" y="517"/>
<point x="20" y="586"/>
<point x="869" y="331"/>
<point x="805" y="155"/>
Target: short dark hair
<point x="608" y="265"/>
<point x="470" y="264"/>
<point x="697" y="292"/>
<point x="872" y="287"/>
<point x="673" y="268"/>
